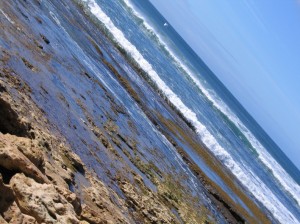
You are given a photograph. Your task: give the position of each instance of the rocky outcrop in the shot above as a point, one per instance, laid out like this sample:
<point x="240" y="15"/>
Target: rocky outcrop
<point x="7" y="196"/>
<point x="12" y="158"/>
<point x="42" y="201"/>
<point x="9" y="121"/>
<point x="33" y="190"/>
<point x="148" y="204"/>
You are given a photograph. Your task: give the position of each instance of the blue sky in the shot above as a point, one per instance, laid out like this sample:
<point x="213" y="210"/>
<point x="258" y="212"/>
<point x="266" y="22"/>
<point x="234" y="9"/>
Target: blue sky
<point x="254" y="49"/>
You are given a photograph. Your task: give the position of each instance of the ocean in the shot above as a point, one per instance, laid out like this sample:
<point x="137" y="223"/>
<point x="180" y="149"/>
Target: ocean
<point x="184" y="81"/>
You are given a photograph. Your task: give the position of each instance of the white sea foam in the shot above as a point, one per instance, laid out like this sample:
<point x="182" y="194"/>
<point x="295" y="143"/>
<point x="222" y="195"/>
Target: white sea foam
<point x="279" y="173"/>
<point x="55" y="19"/>
<point x="7" y="17"/>
<point x="249" y="180"/>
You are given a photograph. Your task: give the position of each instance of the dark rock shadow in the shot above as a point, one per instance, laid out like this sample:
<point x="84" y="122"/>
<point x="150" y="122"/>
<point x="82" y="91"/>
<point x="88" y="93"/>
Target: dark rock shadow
<point x="10" y="122"/>
<point x="6" y="193"/>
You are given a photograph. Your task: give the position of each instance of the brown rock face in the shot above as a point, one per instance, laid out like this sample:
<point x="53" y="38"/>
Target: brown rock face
<point x="149" y="205"/>
<point x="7" y="196"/>
<point x="9" y="121"/>
<point x="42" y="201"/>
<point x="11" y="158"/>
<point x="9" y="208"/>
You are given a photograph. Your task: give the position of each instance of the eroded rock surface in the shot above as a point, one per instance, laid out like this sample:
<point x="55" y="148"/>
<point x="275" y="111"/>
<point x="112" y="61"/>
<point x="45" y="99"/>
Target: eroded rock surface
<point x="13" y="159"/>
<point x="42" y="201"/>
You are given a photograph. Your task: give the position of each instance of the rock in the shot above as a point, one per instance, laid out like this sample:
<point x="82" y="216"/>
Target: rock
<point x="13" y="214"/>
<point x="28" y="220"/>
<point x="98" y="207"/>
<point x="32" y="152"/>
<point x="57" y="175"/>
<point x="148" y="205"/>
<point x="71" y="198"/>
<point x="2" y="220"/>
<point x="90" y="215"/>
<point x="42" y="201"/>
<point x="8" y="207"/>
<point x="74" y="159"/>
<point x="10" y="122"/>
<point x="6" y="196"/>
<point x="81" y="222"/>
<point x="14" y="160"/>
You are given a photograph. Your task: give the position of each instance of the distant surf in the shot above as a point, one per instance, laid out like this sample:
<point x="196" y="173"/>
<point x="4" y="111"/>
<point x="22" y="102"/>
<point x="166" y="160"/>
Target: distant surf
<point x="247" y="178"/>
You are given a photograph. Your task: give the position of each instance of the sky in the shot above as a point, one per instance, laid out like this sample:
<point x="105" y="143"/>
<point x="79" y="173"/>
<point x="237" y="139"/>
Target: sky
<point x="253" y="47"/>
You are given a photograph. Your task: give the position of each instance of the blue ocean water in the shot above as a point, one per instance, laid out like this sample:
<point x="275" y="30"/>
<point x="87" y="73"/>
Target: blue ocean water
<point x="220" y="121"/>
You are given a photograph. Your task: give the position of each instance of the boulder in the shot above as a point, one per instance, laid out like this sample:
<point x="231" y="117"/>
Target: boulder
<point x="12" y="159"/>
<point x="42" y="201"/>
